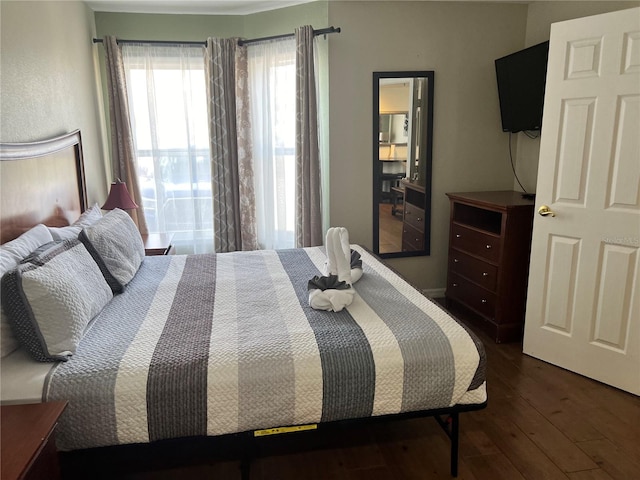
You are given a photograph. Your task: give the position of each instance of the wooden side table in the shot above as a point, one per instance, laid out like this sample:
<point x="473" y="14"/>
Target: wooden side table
<point x="28" y="448"/>
<point x="158" y="244"/>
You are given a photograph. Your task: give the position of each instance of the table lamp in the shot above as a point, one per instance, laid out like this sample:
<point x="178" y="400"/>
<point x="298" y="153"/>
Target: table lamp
<point x="119" y="197"/>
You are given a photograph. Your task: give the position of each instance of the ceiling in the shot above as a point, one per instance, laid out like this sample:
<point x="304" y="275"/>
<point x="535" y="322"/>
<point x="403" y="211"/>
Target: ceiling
<point x="202" y="7"/>
<point x="211" y="7"/>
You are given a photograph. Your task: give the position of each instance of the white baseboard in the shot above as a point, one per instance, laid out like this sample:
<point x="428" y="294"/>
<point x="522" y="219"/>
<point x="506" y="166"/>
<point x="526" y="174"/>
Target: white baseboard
<point x="434" y="292"/>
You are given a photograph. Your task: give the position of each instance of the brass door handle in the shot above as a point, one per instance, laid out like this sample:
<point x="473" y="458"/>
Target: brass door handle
<point x="544" y="211"/>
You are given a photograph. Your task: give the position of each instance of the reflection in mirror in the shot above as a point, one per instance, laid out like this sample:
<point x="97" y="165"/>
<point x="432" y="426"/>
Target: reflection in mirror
<point x="402" y="137"/>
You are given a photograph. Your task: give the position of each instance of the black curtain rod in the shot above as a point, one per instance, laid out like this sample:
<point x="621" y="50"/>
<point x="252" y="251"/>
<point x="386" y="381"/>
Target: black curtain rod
<point x="322" y="31"/>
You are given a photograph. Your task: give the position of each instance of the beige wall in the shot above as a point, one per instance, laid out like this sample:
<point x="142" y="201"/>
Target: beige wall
<point x="48" y="86"/>
<point x="144" y="26"/>
<point x="540" y="16"/>
<point x="285" y="20"/>
<point x="459" y="41"/>
<point x="48" y="83"/>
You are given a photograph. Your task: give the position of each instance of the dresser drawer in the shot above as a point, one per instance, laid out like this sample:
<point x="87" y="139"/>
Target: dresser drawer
<point x="414" y="216"/>
<point x="478" y="271"/>
<point x="477" y="243"/>
<point x="412" y="239"/>
<point x="479" y="299"/>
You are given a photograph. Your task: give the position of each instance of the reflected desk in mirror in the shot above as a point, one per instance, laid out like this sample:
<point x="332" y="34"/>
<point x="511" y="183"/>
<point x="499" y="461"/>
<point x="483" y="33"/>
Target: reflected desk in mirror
<point x="402" y="138"/>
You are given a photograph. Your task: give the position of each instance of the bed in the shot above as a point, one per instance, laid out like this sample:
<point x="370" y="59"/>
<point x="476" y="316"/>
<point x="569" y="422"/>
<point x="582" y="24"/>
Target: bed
<point x="213" y="345"/>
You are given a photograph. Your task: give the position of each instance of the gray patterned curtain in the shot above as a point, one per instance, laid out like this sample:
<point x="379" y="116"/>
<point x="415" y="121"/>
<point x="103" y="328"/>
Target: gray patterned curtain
<point x="122" y="149"/>
<point x="308" y="206"/>
<point x="248" y="222"/>
<point x="233" y="200"/>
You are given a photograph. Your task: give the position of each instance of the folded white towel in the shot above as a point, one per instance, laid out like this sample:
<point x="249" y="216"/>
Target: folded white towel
<point x="356" y="274"/>
<point x="331" y="299"/>
<point x="342" y="252"/>
<point x="338" y="247"/>
<point x="331" y="265"/>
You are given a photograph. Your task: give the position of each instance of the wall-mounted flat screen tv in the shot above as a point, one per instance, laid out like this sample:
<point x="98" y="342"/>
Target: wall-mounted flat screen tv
<point x="521" y="80"/>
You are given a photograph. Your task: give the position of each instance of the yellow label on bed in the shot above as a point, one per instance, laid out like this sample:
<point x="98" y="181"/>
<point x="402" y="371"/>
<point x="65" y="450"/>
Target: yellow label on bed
<point x="278" y="430"/>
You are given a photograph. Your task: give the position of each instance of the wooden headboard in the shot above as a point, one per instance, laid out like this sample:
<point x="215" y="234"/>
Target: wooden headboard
<point x="41" y="182"/>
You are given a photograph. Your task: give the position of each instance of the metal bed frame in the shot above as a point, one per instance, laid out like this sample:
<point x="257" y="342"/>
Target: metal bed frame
<point x="121" y="459"/>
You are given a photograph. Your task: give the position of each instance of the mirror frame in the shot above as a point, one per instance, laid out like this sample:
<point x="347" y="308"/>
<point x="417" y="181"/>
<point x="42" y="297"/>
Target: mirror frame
<point x="428" y="131"/>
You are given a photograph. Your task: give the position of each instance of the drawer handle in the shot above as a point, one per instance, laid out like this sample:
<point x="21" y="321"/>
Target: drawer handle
<point x="484" y="301"/>
<point x="458" y="235"/>
<point x="417" y="239"/>
<point x="419" y="219"/>
<point x="455" y="284"/>
<point x="485" y="274"/>
<point x="488" y="247"/>
<point x="455" y="260"/>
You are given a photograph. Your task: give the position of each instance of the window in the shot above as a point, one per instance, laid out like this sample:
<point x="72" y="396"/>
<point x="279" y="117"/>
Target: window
<point x="168" y="108"/>
<point x="272" y="83"/>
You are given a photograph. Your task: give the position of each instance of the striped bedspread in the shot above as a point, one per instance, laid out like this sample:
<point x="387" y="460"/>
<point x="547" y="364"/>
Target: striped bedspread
<point x="216" y="344"/>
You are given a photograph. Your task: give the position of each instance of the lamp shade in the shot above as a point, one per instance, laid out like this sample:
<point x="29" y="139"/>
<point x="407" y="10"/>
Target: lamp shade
<point x="119" y="197"/>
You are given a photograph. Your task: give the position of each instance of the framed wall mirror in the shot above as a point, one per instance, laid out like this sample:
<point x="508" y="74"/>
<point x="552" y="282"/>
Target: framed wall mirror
<point x="402" y="149"/>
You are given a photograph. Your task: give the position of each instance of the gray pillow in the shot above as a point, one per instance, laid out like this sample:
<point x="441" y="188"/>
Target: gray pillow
<point x="52" y="296"/>
<point x="115" y="244"/>
<point x="11" y="254"/>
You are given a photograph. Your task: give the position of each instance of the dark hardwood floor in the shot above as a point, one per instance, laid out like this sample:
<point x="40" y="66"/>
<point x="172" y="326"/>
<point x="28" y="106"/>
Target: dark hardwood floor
<point x="541" y="423"/>
<point x="390" y="234"/>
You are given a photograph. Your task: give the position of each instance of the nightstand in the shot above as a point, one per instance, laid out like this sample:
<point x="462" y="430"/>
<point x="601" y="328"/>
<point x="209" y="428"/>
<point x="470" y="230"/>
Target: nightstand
<point x="158" y="244"/>
<point x="28" y="440"/>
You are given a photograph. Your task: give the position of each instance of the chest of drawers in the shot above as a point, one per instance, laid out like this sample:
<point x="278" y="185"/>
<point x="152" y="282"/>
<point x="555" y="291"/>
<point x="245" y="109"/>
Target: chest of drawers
<point x="489" y="246"/>
<point x="414" y="225"/>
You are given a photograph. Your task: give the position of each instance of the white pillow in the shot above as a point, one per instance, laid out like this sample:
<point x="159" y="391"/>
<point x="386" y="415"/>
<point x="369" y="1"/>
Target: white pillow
<point x="52" y="296"/>
<point x="11" y="254"/>
<point x="115" y="244"/>
<point x="88" y="217"/>
<point x="65" y="233"/>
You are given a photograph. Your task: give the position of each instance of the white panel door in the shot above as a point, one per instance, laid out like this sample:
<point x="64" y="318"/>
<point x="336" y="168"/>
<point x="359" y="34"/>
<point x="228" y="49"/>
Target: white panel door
<point x="583" y="304"/>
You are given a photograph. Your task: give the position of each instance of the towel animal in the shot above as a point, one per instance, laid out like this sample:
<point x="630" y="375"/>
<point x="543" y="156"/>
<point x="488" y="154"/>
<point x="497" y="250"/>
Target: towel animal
<point x="334" y="290"/>
<point x="330" y="266"/>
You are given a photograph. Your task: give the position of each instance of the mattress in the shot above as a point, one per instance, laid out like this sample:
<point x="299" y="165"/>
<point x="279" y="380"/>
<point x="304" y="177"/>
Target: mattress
<point x="217" y="344"/>
<point x="22" y="378"/>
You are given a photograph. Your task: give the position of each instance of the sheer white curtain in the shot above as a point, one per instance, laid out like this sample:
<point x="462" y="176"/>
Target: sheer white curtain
<point x="167" y="99"/>
<point x="272" y="83"/>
